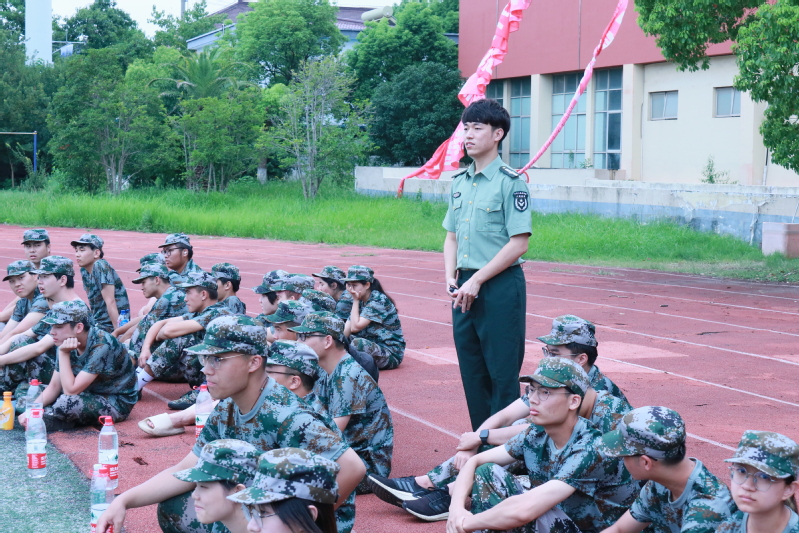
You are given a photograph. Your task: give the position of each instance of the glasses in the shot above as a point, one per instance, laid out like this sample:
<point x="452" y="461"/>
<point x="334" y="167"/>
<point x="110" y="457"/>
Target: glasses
<point x="251" y="512"/>
<point x="302" y="336"/>
<point x="214" y="361"/>
<point x="547" y="353"/>
<point x="760" y="480"/>
<point x="168" y="251"/>
<point x="543" y="393"/>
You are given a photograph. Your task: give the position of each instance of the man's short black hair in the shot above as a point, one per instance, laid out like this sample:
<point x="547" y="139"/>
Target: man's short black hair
<point x="488" y="111"/>
<point x="85" y="323"/>
<point x="271" y="296"/>
<point x="70" y="280"/>
<point x="93" y="248"/>
<point x="234" y="283"/>
<point x="671" y="461"/>
<point x="576" y="348"/>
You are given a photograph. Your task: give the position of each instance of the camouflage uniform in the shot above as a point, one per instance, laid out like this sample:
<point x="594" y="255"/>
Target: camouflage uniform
<point x="600" y="382"/>
<point x="102" y="274"/>
<point x="153" y="258"/>
<point x="23" y="305"/>
<point x="344" y="305"/>
<point x="171" y="304"/>
<point x="175" y="277"/>
<point x="231" y="272"/>
<point x="659" y="433"/>
<point x="294" y="283"/>
<point x="289" y="311"/>
<point x="773" y="454"/>
<point x="113" y="391"/>
<point x="318" y="300"/>
<point x="35" y="235"/>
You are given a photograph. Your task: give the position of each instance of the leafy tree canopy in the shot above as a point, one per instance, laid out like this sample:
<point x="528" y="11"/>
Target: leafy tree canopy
<point x="175" y="31"/>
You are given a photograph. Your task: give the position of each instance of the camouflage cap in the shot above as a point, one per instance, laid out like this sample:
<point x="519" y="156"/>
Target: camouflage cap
<point x="294" y="355"/>
<point x="56" y="264"/>
<point x="289" y="311"/>
<point x="657" y="432"/>
<point x="152" y="270"/>
<point x="331" y="272"/>
<point x="67" y="312"/>
<point x="17" y="268"/>
<point x="223" y="460"/>
<point x="176" y="238"/>
<point x="293" y="282"/>
<point x="569" y="328"/>
<point x="769" y="452"/>
<point x="291" y="473"/>
<point x="318" y="300"/>
<point x="232" y="333"/>
<point x="201" y="279"/>
<point x="151" y="258"/>
<point x="360" y="273"/>
<point x="35" y="235"/>
<point x="323" y="322"/>
<point x="269" y="281"/>
<point x="559" y="372"/>
<point x="88" y="238"/>
<point x="226" y="270"/>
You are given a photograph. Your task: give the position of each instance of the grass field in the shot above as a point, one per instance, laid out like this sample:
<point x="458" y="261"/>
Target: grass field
<point x="337" y="216"/>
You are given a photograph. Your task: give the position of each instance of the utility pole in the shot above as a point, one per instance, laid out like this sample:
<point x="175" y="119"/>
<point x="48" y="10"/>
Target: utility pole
<point x="182" y="8"/>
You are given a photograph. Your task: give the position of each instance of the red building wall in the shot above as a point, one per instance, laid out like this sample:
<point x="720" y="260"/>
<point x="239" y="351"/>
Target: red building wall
<point x="555" y="36"/>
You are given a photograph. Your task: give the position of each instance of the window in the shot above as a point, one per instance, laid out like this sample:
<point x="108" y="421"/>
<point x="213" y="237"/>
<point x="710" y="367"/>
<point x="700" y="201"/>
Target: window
<point x="728" y="102"/>
<point x="496" y="91"/>
<point x="607" y="118"/>
<point x="663" y="105"/>
<point x="519" y="122"/>
<point x="568" y="148"/>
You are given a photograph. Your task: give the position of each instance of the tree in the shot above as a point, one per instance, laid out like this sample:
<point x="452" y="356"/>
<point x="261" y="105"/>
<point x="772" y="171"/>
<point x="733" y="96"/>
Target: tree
<point x="12" y="16"/>
<point x="175" y="31"/>
<point x="446" y="10"/>
<point x="207" y="74"/>
<point x="279" y="35"/>
<point x="411" y="114"/>
<point x="383" y="51"/>
<point x="767" y="52"/>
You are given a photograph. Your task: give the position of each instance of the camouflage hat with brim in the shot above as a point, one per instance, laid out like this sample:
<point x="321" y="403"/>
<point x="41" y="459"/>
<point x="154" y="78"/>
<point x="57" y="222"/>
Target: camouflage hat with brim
<point x="360" y="273"/>
<point x="67" y="313"/>
<point x="157" y="258"/>
<point x="769" y="452"/>
<point x="559" y="372"/>
<point x="17" y="268"/>
<point x="289" y="311"/>
<point x="318" y="300"/>
<point x="569" y="328"/>
<point x="88" y="239"/>
<point x="294" y="355"/>
<point x="203" y="280"/>
<point x="657" y="432"/>
<point x="56" y="264"/>
<point x="176" y="238"/>
<point x="325" y="323"/>
<point x="270" y="279"/>
<point x="35" y="235"/>
<point x="152" y="270"/>
<point x="232" y="333"/>
<point x="227" y="271"/>
<point x="294" y="283"/>
<point x="224" y="460"/>
<point x="291" y="473"/>
<point x="331" y="272"/>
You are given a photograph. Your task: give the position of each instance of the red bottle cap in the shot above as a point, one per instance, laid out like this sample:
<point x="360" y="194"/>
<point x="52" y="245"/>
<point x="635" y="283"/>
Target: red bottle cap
<point x="35" y="383"/>
<point x="106" y="420"/>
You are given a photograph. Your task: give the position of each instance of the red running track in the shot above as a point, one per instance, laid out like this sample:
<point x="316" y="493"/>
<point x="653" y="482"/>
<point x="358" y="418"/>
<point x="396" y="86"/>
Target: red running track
<point x="720" y="352"/>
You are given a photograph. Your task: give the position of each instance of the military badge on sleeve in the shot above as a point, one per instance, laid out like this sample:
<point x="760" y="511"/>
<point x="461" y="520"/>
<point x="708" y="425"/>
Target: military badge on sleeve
<point x="521" y="200"/>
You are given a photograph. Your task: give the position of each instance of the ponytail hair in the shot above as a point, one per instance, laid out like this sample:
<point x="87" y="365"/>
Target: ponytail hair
<point x="376" y="286"/>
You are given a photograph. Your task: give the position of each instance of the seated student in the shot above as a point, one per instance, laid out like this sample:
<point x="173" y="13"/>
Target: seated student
<point x="374" y="325"/>
<point x="294" y="490"/>
<point x="320" y="301"/>
<point x="350" y="395"/>
<point x="228" y="280"/>
<point x="125" y="332"/>
<point x="763" y="474"/>
<point x="106" y="293"/>
<point x="254" y="408"/>
<point x="331" y="281"/>
<point x="680" y="493"/>
<point x="574" y="489"/>
<point x="36" y="243"/>
<point x="574" y="337"/>
<point x="93" y="375"/>
<point x="178" y="253"/>
<point x="24" y="283"/>
<point x="289" y="313"/>
<point x="224" y="467"/>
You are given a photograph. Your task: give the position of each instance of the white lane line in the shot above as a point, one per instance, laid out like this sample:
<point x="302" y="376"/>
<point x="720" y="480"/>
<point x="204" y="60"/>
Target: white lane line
<point x="432" y="356"/>
<point x="714" y="443"/>
<point x="153" y="393"/>
<point x="427" y="423"/>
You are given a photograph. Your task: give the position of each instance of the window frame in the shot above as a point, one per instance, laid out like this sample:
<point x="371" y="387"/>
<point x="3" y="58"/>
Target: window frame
<point x="735" y="93"/>
<point x="665" y="105"/>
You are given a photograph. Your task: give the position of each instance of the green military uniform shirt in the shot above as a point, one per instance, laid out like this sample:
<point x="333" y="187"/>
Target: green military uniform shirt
<point x="737" y="524"/>
<point x="25" y="306"/>
<point x="600" y="381"/>
<point x="236" y="306"/>
<point x="103" y="274"/>
<point x="171" y="304"/>
<point x="485" y="210"/>
<point x="176" y="277"/>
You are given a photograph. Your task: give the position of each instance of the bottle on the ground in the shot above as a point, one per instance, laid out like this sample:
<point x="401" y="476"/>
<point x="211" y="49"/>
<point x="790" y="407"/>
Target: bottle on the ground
<point x="108" y="450"/>
<point x="101" y="495"/>
<point x="33" y="393"/>
<point x="202" y="409"/>
<point x="7" y="412"/>
<point x="124" y="318"/>
<point x="36" y="444"/>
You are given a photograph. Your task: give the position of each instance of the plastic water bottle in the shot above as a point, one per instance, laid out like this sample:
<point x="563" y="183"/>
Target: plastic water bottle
<point x="124" y="317"/>
<point x="36" y="444"/>
<point x="108" y="450"/>
<point x="101" y="495"/>
<point x="202" y="409"/>
<point x="33" y="393"/>
<point x="7" y="412"/>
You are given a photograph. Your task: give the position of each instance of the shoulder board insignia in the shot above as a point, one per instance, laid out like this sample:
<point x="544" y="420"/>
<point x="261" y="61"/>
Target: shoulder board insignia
<point x="459" y="174"/>
<point x="509" y="172"/>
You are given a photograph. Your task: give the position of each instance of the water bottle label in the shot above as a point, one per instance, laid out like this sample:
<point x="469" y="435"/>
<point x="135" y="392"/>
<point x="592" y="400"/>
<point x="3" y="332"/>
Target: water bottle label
<point x="199" y="424"/>
<point x="110" y="458"/>
<point x="97" y="511"/>
<point x="37" y="456"/>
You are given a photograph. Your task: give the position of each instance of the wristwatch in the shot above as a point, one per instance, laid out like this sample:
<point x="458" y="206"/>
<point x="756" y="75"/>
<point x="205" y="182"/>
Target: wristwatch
<point x="484" y="437"/>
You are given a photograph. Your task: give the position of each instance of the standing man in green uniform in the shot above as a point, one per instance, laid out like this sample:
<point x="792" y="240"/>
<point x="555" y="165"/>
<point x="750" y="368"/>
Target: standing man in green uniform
<point x="488" y="227"/>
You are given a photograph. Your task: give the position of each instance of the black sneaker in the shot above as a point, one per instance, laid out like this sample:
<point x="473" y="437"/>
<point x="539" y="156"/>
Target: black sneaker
<point x="431" y="507"/>
<point x="397" y="490"/>
<point x="185" y="401"/>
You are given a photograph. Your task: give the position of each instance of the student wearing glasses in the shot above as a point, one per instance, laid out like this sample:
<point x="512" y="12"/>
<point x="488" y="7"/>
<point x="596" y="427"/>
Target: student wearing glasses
<point x="178" y="253"/>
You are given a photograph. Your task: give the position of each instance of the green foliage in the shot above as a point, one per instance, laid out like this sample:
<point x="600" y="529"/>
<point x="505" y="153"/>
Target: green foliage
<point x="279" y="35"/>
<point x="712" y="175"/>
<point x="208" y="74"/>
<point x="12" y="17"/>
<point x="446" y="10"/>
<point x="175" y="31"/>
<point x="414" y="112"/>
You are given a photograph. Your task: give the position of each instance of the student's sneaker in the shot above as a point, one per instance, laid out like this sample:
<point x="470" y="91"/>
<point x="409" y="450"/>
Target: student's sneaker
<point x="431" y="507"/>
<point x="185" y="401"/>
<point x="397" y="490"/>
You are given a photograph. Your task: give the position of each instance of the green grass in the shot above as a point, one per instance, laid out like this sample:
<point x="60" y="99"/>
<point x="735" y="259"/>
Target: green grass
<point x="337" y="216"/>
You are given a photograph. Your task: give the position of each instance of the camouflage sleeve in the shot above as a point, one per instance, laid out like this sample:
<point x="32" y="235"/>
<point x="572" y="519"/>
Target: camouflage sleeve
<point x="645" y="503"/>
<point x="103" y="272"/>
<point x="302" y="429"/>
<point x="733" y="524"/>
<point x="39" y="305"/>
<point x="40" y="329"/>
<point x="376" y="309"/>
<point x="20" y="310"/>
<point x="344" y="307"/>
<point x="579" y="469"/>
<point x="518" y="219"/>
<point x="515" y="446"/>
<point x="348" y="392"/>
<point x="704" y="515"/>
<point x="100" y="361"/>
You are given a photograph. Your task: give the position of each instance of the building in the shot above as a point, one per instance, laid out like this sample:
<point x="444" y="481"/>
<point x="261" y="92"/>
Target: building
<point x="639" y="114"/>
